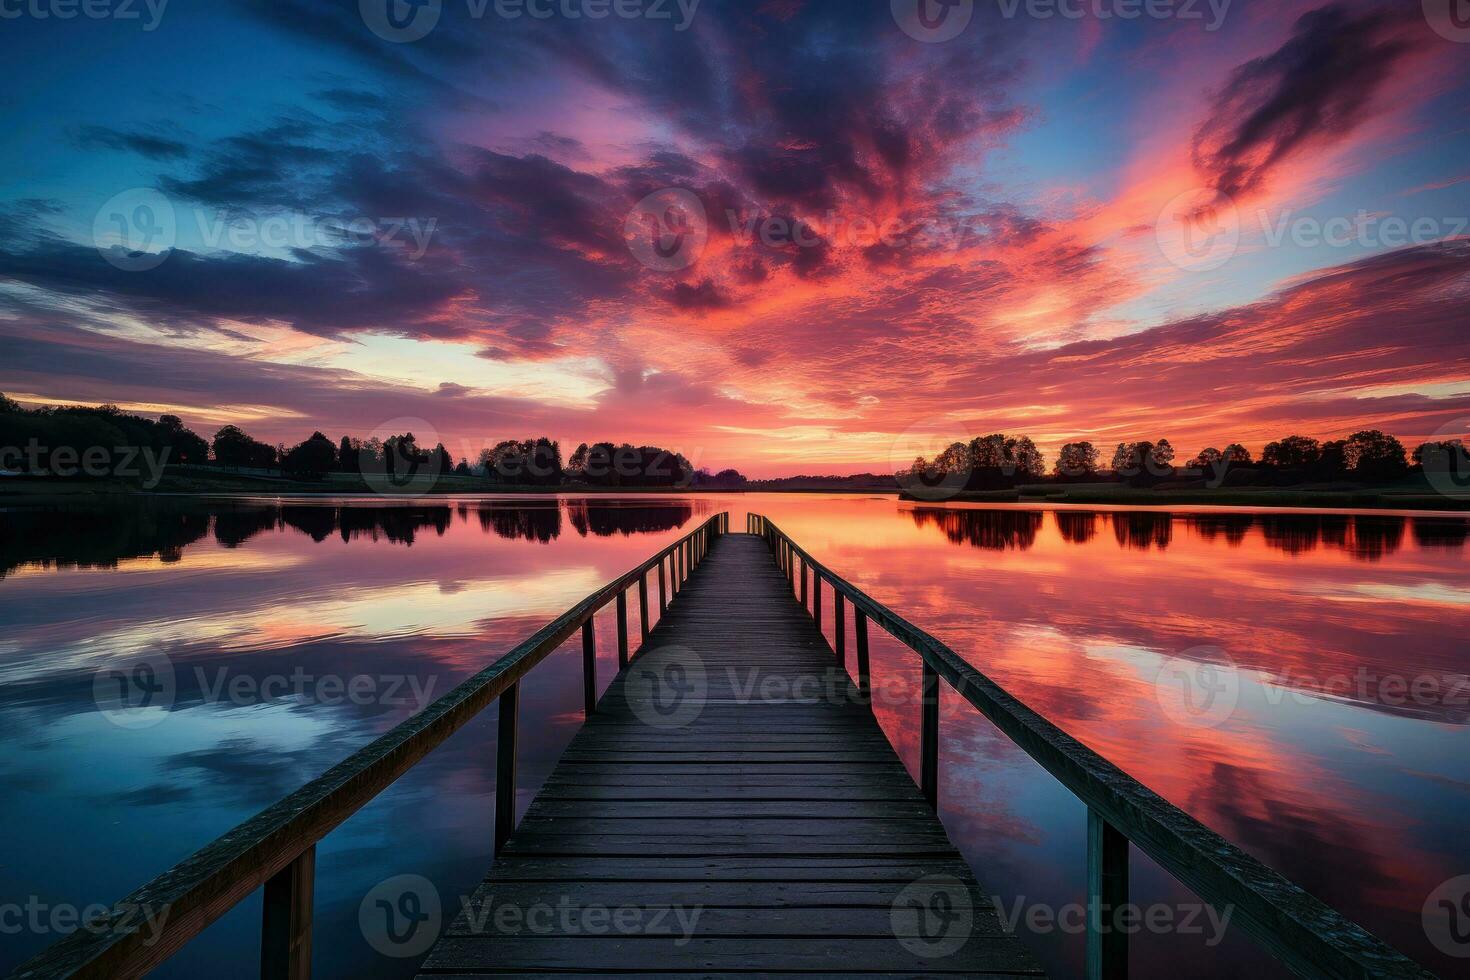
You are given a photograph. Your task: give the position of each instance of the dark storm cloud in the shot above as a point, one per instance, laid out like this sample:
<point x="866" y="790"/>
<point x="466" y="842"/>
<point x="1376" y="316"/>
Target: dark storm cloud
<point x="358" y="288"/>
<point x="1314" y="89"/>
<point x="145" y="144"/>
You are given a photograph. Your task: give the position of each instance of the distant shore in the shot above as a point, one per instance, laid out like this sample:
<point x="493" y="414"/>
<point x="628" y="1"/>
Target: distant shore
<point x="195" y="483"/>
<point x="1265" y="497"/>
<point x="199" y="483"/>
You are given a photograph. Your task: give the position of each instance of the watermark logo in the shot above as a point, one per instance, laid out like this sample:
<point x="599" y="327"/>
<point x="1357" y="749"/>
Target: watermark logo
<point x="933" y="917"/>
<point x="1446" y="460"/>
<point x="1105" y="10"/>
<point x="1450" y="19"/>
<point x="668" y="230"/>
<point x="387" y="690"/>
<point x="667" y="687"/>
<point x="1126" y="918"/>
<point x="38" y="917"/>
<point x="400" y="457"/>
<point x="928" y="468"/>
<point x="1199" y="230"/>
<point x="135" y="691"/>
<point x="1199" y="687"/>
<point x="136" y="229"/>
<point x="1446" y="917"/>
<point x="400" y="21"/>
<point x="401" y="917"/>
<point x="932" y="21"/>
<point x="485" y="916"/>
<point x="120" y="10"/>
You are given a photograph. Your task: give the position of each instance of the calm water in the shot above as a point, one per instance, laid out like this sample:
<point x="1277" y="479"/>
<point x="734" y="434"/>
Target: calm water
<point x="1335" y="749"/>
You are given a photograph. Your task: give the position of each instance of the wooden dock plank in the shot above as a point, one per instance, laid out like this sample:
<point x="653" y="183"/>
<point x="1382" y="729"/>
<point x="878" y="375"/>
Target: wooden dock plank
<point x="731" y="808"/>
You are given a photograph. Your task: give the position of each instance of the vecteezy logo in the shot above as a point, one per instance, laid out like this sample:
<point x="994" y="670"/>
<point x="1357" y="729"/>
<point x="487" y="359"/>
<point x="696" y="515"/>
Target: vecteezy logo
<point x="401" y="917"/>
<point x="667" y="687"/>
<point x="135" y="230"/>
<point x="933" y="917"/>
<point x="1446" y="917"/>
<point x="927" y="467"/>
<point x="667" y="230"/>
<point x="932" y="21"/>
<point x="1199" y="687"/>
<point x="1450" y="19"/>
<point x="1446" y="459"/>
<point x="401" y="457"/>
<point x="135" y="691"/>
<point x="400" y="21"/>
<point x="1198" y="230"/>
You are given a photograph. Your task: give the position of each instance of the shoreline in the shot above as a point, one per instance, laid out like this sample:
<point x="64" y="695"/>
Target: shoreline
<point x="1098" y="496"/>
<point x="1265" y="499"/>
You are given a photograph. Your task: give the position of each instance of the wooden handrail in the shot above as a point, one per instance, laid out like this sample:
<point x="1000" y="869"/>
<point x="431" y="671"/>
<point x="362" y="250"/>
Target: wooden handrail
<point x="1309" y="937"/>
<point x="277" y="845"/>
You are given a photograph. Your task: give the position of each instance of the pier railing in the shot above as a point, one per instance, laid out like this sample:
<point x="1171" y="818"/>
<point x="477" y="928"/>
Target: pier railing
<point x="1302" y="932"/>
<point x="276" y="849"/>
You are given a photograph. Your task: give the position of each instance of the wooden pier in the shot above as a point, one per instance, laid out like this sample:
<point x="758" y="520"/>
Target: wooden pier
<point x="733" y="768"/>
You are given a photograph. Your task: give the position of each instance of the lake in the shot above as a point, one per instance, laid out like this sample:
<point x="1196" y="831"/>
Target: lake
<point x="1296" y="681"/>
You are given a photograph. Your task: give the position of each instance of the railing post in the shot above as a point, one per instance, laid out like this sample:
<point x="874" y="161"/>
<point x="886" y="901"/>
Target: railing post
<point x="929" y="738"/>
<point x="663" y="600"/>
<point x="505" y="765"/>
<point x="803" y="583"/>
<point x="817" y="598"/>
<point x="285" y="925"/>
<point x="623" y="629"/>
<point x="839" y="627"/>
<point x="865" y="680"/>
<point x="589" y="667"/>
<point x="1107" y="891"/>
<point x="643" y="604"/>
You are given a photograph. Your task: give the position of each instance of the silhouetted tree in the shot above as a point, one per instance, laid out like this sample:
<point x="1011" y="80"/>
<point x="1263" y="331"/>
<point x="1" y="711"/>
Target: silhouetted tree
<point x="1206" y="459"/>
<point x="1447" y="457"/>
<point x="1022" y="454"/>
<point x="1237" y="455"/>
<point x="1374" y="455"/>
<point x="184" y="446"/>
<point x="315" y="457"/>
<point x="996" y="460"/>
<point x="723" y="480"/>
<point x="1332" y="463"/>
<point x="232" y="447"/>
<point x="1076" y="460"/>
<point x="1292" y="452"/>
<point x="577" y="465"/>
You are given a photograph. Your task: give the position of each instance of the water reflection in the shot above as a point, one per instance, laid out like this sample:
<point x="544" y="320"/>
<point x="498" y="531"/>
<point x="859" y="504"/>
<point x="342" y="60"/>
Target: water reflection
<point x="1323" y="617"/>
<point x="996" y="530"/>
<point x="1368" y="537"/>
<point x="92" y="536"/>
<point x="605" y="518"/>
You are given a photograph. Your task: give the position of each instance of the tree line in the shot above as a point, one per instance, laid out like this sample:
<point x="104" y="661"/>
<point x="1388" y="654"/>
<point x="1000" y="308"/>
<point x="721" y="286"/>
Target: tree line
<point x="1001" y="462"/>
<point x="52" y="441"/>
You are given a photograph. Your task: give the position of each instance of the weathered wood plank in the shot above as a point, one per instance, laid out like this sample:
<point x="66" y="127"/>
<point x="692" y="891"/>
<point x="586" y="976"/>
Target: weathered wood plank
<point x="981" y="955"/>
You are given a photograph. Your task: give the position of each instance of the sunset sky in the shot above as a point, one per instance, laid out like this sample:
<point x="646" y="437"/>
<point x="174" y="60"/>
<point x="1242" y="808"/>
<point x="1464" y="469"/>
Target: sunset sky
<point x="1221" y="227"/>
